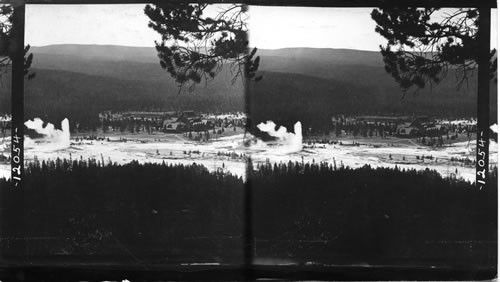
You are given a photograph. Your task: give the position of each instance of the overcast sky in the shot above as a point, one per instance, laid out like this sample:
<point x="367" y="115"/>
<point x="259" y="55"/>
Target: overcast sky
<point x="270" y="27"/>
<point x="278" y="27"/>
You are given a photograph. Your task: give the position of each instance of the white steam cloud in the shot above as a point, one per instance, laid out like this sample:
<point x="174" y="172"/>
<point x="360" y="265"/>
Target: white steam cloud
<point x="290" y="142"/>
<point x="494" y="128"/>
<point x="53" y="139"/>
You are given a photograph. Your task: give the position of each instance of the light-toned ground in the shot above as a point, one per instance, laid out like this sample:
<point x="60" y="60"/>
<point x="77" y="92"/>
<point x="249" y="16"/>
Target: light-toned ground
<point x="228" y="153"/>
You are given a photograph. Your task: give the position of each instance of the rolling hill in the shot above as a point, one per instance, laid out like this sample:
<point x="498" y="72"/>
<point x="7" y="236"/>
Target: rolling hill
<point x="299" y="83"/>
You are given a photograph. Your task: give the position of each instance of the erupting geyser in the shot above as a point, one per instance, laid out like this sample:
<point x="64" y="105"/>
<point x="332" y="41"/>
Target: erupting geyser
<point x="290" y="142"/>
<point x="53" y="139"/>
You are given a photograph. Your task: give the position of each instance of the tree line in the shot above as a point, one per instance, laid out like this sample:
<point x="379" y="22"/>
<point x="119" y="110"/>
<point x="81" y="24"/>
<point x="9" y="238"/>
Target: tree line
<point x="303" y="211"/>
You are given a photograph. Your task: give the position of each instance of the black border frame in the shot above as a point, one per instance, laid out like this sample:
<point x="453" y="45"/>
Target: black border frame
<point x="17" y="269"/>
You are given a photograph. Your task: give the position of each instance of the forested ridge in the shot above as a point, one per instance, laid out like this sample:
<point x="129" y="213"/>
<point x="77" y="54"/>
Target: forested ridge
<point x="307" y="84"/>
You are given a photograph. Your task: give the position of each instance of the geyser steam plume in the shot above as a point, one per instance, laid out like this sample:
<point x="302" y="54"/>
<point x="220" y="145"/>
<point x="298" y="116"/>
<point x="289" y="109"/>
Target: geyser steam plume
<point x="291" y="142"/>
<point x="52" y="138"/>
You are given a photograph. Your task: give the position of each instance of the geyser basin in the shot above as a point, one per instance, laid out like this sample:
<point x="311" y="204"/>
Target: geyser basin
<point x="289" y="142"/>
<point x="53" y="139"/>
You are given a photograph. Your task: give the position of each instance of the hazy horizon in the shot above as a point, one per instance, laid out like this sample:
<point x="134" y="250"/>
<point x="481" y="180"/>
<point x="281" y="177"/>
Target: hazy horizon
<point x="152" y="47"/>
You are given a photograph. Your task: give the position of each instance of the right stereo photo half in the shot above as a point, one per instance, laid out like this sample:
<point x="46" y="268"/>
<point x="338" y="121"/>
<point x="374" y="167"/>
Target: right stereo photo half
<point x="362" y="129"/>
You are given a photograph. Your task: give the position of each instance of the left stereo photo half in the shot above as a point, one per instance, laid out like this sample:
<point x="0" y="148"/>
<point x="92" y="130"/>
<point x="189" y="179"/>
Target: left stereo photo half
<point x="128" y="137"/>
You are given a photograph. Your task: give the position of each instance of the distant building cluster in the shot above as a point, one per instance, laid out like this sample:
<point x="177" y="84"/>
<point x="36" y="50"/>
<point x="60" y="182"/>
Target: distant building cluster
<point x="174" y="122"/>
<point x="403" y="126"/>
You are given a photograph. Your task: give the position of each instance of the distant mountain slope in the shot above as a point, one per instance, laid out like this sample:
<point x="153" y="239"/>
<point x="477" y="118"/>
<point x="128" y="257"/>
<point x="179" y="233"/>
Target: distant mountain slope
<point x="287" y="98"/>
<point x="302" y="80"/>
<point x="141" y="63"/>
<point x="55" y="94"/>
<point x="149" y="55"/>
<point x="366" y="69"/>
<point x="326" y="55"/>
<point x="138" y="63"/>
<point x="101" y="52"/>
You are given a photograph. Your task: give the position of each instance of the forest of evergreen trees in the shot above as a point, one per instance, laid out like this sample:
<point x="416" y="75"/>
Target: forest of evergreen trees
<point x="301" y="211"/>
<point x="151" y="209"/>
<point x="387" y="215"/>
